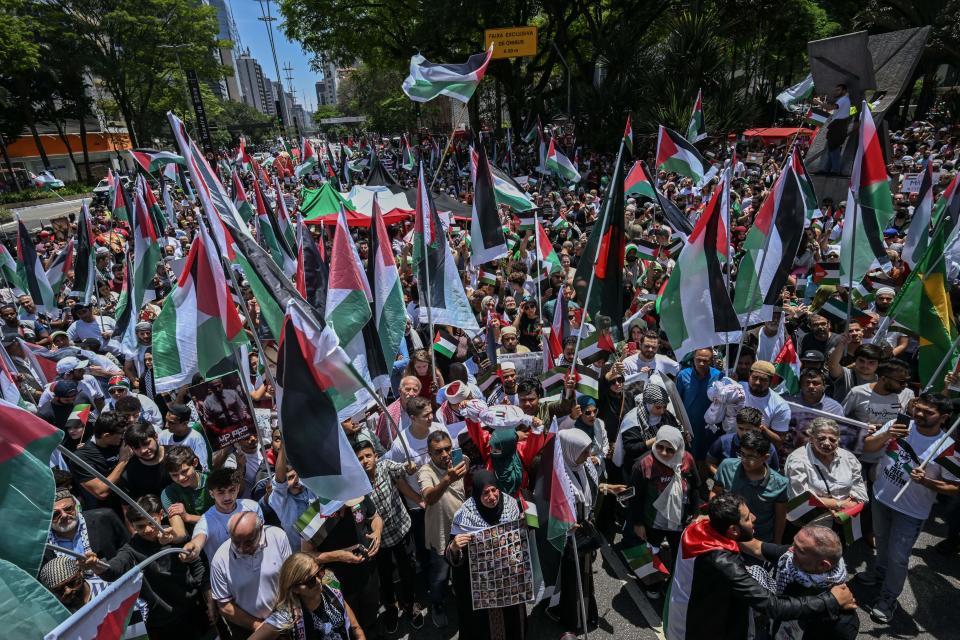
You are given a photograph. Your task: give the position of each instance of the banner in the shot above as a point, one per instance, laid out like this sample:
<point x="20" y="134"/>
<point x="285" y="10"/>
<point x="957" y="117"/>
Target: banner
<point x="501" y="573"/>
<point x="223" y="409"/>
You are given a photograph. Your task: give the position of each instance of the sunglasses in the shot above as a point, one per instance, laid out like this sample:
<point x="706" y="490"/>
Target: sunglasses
<point x="312" y="580"/>
<point x="617" y="381"/>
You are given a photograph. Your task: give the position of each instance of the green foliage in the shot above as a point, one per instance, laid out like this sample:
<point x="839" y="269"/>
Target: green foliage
<point x="29" y="195"/>
<point x="234" y="118"/>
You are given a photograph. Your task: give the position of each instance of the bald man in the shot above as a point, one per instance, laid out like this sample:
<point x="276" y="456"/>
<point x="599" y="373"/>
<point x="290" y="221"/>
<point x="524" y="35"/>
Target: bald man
<point x="409" y="388"/>
<point x="245" y="571"/>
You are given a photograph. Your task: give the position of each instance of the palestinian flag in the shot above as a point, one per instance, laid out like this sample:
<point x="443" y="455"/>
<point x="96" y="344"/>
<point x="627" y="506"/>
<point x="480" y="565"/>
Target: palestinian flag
<point x="787" y="365"/>
<point x="923" y="307"/>
<point x="799" y="92"/>
<point x="308" y="159"/>
<point x="770" y="249"/>
<point x="31" y="273"/>
<point x="243" y="159"/>
<point x="105" y="616"/>
<point x="559" y="326"/>
<point x="648" y="250"/>
<point x="152" y="161"/>
<point x="675" y="154"/>
<point x="849" y="520"/>
<point x="806" y="186"/>
<point x="949" y="459"/>
<point x="677" y="220"/>
<point x="313" y="372"/>
<point x="270" y="234"/>
<point x="199" y="323"/>
<point x="312" y="272"/>
<point x="60" y="266"/>
<point x="118" y="204"/>
<point x="628" y="136"/>
<point x="142" y="258"/>
<point x="687" y="594"/>
<point x="552" y="381"/>
<point x="805" y="508"/>
<point x="545" y="251"/>
<point x="603" y="255"/>
<point x="816" y="116"/>
<point x="348" y="293"/>
<point x="527" y="222"/>
<point x="26" y="503"/>
<point x="836" y="310"/>
<point x="85" y="267"/>
<point x="899" y="456"/>
<point x="444" y="345"/>
<point x="588" y="381"/>
<point x="918" y="234"/>
<point x="487" y="242"/>
<point x="434" y="264"/>
<point x="167" y="201"/>
<point x="487" y="277"/>
<point x="287" y="232"/>
<point x="542" y="151"/>
<point x="870" y="202"/>
<point x="638" y="184"/>
<point x="697" y="128"/>
<point x="508" y="192"/>
<point x="240" y="200"/>
<point x="644" y="560"/>
<point x="8" y="271"/>
<point x="407" y="161"/>
<point x="555" y="505"/>
<point x="315" y="523"/>
<point x="560" y="165"/>
<point x="695" y="307"/>
<point x="592" y="350"/>
<point x="947" y="209"/>
<point x="825" y="273"/>
<point x="157" y="216"/>
<point x="80" y="414"/>
<point x="389" y="314"/>
<point x="427" y="80"/>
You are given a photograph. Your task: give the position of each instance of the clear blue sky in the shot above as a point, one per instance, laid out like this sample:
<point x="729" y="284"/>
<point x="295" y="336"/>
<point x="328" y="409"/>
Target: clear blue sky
<point x="253" y="35"/>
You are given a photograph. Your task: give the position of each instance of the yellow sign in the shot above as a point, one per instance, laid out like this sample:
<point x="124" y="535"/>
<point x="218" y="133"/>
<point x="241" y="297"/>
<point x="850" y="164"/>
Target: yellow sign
<point x="512" y="42"/>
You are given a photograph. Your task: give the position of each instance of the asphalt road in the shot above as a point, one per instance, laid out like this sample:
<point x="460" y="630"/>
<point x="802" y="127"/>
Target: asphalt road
<point x="36" y="216"/>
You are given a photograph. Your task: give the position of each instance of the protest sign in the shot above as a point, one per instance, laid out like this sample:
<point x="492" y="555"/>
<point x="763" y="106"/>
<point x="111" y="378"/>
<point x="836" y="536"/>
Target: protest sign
<point x="222" y="408"/>
<point x="501" y="573"/>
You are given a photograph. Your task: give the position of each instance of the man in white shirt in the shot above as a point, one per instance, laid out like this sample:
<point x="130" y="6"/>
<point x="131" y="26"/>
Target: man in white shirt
<point x="245" y="572"/>
<point x="179" y="431"/>
<point x="88" y="325"/>
<point x="211" y="531"/>
<point x="759" y="395"/>
<point x="647" y="360"/>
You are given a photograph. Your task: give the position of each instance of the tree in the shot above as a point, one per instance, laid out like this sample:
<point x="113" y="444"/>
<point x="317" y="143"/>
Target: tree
<point x="137" y="48"/>
<point x="236" y="118"/>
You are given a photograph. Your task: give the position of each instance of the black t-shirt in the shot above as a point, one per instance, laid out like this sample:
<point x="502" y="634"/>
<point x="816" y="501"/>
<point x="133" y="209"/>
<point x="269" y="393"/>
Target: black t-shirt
<point x="103" y="459"/>
<point x="349" y="530"/>
<point x="809" y="342"/>
<point x="140" y="479"/>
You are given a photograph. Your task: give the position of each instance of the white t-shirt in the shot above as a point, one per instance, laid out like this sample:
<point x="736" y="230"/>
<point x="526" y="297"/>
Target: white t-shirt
<point x="250" y="582"/>
<point x="893" y="470"/>
<point x="418" y="453"/>
<point x="81" y="330"/>
<point x="213" y="524"/>
<point x="193" y="440"/>
<point x="776" y="412"/>
<point x="663" y="364"/>
<point x="866" y="405"/>
<point x="842" y="112"/>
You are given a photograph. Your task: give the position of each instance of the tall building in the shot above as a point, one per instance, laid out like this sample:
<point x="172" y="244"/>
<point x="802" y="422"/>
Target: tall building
<point x="268" y="91"/>
<point x="327" y="86"/>
<point x="252" y="83"/>
<point x="229" y="88"/>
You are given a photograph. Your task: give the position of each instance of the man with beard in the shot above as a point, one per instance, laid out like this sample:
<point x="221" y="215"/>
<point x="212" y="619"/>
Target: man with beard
<point x="97" y="530"/>
<point x="647" y="360"/>
<point x="759" y="395"/>
<point x="145" y="473"/>
<point x="222" y="408"/>
<point x="897" y="341"/>
<point x="819" y="338"/>
<point x="409" y="388"/>
<point x="506" y="391"/>
<point x="105" y="455"/>
<point x="712" y="592"/>
<point x="813" y="395"/>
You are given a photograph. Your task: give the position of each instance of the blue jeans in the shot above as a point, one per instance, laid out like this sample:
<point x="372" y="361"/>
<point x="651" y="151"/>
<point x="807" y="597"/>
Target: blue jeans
<point x="438" y="573"/>
<point x="896" y="533"/>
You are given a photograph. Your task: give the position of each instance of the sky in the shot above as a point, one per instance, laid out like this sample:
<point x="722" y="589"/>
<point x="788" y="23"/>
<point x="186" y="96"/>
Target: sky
<point x="253" y="35"/>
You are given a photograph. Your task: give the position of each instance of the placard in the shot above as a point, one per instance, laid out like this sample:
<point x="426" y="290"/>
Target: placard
<point x="223" y="410"/>
<point x="513" y="42"/>
<point x="528" y="364"/>
<point x="501" y="573"/>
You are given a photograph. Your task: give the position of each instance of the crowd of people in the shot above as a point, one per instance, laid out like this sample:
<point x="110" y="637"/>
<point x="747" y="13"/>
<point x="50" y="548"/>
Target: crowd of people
<point x="700" y="461"/>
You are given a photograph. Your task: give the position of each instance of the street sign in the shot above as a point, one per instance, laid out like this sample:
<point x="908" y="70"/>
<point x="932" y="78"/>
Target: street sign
<point x="203" y="127"/>
<point x="512" y="42"/>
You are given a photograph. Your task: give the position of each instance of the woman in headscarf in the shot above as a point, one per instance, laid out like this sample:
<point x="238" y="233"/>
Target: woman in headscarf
<point x="582" y="467"/>
<point x="638" y="430"/>
<point x="510" y="449"/>
<point x="588" y="421"/>
<point x="666" y="483"/>
<point x="487" y="507"/>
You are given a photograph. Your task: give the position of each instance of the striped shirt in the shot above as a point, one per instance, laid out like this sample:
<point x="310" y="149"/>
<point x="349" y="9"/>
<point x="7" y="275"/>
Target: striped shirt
<point x="386" y="498"/>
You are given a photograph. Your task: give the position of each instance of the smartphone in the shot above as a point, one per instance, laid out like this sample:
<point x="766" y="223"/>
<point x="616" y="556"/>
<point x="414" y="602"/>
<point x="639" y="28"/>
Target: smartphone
<point x="624" y="496"/>
<point x="902" y="418"/>
<point x="457" y="456"/>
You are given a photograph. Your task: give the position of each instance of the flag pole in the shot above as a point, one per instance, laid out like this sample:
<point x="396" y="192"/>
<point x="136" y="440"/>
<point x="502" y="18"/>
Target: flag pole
<point x="583" y="606"/>
<point x="74" y="554"/>
<point x="593" y="272"/>
<point x="943" y="363"/>
<point x="930" y="456"/>
<point x="853" y="257"/>
<point x="536" y="247"/>
<point x="443" y="158"/>
<point x="80" y="462"/>
<point x="426" y="275"/>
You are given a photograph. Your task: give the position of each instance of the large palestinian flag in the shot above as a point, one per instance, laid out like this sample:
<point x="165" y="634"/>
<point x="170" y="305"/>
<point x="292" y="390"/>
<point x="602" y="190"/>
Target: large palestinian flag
<point x="697" y="129"/>
<point x="85" y="267"/>
<point x="695" y="307"/>
<point x="487" y="242"/>
<point x="153" y="161"/>
<point x="31" y="273"/>
<point x="508" y="192"/>
<point x="918" y="234"/>
<point x="869" y="207"/>
<point x="676" y="154"/>
<point x="199" y="323"/>
<point x="557" y="513"/>
<point x="427" y="80"/>
<point x="769" y="250"/>
<point x="389" y="313"/>
<point x="638" y="184"/>
<point x="560" y="165"/>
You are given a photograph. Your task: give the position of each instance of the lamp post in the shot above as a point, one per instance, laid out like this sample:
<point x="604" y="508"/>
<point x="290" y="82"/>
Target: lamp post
<point x="267" y="19"/>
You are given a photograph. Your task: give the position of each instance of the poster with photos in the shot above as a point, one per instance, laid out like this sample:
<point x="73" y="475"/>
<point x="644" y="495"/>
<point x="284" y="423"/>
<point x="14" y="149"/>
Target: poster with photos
<point x="222" y="408"/>
<point x="501" y="574"/>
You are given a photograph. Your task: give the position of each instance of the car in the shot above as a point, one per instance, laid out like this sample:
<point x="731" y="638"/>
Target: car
<point x="46" y="180"/>
<point x="102" y="191"/>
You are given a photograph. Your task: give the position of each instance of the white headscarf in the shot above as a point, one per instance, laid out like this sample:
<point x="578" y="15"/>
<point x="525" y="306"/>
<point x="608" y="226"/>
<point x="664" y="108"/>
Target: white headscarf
<point x="573" y="442"/>
<point x="669" y="503"/>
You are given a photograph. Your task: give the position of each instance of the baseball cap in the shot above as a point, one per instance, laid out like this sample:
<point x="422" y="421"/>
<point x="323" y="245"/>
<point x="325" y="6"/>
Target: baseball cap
<point x="65" y="388"/>
<point x="764" y="367"/>
<point x="70" y="363"/>
<point x="813" y="355"/>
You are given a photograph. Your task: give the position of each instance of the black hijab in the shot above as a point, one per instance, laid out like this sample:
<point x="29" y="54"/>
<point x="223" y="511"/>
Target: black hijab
<point x="481" y="480"/>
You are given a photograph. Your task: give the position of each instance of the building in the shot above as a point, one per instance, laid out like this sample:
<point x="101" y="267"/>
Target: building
<point x="229" y="88"/>
<point x="327" y="86"/>
<point x="268" y="91"/>
<point x="252" y="83"/>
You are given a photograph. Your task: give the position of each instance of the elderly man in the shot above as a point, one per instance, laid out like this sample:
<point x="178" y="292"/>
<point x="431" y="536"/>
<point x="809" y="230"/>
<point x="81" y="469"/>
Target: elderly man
<point x="759" y="395"/>
<point x="134" y="367"/>
<point x="409" y="387"/>
<point x="97" y="530"/>
<point x="245" y="572"/>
